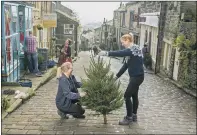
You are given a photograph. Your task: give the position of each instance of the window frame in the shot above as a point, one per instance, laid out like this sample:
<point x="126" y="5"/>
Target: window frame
<point x="68" y="28"/>
<point x="131" y="19"/>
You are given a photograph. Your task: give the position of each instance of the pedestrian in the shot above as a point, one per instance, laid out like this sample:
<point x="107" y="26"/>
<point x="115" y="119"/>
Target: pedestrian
<point x="31" y="54"/>
<point x="145" y="49"/>
<point x="95" y="49"/>
<point x="145" y="53"/>
<point x="134" y="65"/>
<point x="67" y="98"/>
<point x="65" y="53"/>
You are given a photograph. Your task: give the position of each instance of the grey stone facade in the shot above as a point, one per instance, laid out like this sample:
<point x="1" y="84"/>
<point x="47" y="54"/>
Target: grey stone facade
<point x="150" y="6"/>
<point x="63" y="17"/>
<point x="174" y="25"/>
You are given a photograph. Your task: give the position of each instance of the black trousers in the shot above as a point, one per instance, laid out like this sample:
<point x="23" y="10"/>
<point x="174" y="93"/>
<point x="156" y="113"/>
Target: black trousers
<point x="75" y="109"/>
<point x="132" y="92"/>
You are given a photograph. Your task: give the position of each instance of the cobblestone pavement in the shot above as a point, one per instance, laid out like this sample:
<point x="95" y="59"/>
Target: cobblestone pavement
<point x="163" y="109"/>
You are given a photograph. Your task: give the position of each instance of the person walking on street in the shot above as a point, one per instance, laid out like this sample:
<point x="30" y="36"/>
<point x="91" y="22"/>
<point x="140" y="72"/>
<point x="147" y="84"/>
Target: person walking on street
<point x="31" y="53"/>
<point x="65" y="52"/>
<point x="95" y="49"/>
<point x="134" y="64"/>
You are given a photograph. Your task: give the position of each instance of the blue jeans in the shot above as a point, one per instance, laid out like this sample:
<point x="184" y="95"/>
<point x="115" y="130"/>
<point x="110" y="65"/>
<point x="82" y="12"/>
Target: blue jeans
<point x="33" y="62"/>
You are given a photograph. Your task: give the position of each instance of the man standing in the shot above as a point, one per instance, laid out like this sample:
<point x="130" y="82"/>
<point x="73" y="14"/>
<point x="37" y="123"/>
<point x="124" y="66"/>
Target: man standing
<point x="32" y="55"/>
<point x="145" y="49"/>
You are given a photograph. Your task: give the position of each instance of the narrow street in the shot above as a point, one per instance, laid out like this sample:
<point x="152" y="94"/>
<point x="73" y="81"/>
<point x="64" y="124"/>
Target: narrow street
<point x="163" y="109"/>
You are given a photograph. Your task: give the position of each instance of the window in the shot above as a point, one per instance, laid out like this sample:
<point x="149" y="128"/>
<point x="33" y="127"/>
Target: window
<point x="68" y="29"/>
<point x="14" y="19"/>
<point x="26" y="18"/>
<point x="7" y="20"/>
<point x="138" y="24"/>
<point x="123" y="19"/>
<point x="146" y="36"/>
<point x="131" y="19"/>
<point x="30" y="17"/>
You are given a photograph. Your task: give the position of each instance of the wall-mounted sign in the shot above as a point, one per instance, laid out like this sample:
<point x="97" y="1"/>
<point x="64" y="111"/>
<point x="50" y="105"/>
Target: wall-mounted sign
<point x="50" y="20"/>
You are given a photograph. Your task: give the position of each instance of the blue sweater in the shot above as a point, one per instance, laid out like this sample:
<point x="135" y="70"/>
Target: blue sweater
<point x="134" y="62"/>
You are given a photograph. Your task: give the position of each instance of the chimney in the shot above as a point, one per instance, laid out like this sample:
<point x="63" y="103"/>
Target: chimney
<point x="121" y="4"/>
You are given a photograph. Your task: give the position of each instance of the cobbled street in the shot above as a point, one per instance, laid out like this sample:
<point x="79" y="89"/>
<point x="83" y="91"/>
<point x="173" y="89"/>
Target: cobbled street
<point x="163" y="109"/>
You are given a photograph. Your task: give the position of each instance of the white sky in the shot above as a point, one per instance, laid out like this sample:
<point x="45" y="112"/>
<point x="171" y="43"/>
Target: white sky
<point x="93" y="11"/>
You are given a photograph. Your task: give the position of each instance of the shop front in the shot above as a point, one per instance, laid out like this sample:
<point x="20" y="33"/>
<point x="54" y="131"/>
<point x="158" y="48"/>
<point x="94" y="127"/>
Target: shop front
<point x="16" y="22"/>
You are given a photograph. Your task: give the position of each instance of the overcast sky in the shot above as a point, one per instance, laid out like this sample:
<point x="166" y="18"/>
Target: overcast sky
<point x="93" y="11"/>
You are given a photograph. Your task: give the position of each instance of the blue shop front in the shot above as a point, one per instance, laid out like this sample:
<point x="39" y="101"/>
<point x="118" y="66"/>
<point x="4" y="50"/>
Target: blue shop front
<point x="16" y="22"/>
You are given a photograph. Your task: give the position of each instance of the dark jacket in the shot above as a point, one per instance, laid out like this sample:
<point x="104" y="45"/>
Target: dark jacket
<point x="133" y="63"/>
<point x="67" y="91"/>
<point x="68" y="52"/>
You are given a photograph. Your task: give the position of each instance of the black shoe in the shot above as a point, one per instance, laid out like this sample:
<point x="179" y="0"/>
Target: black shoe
<point x="79" y="116"/>
<point x="126" y="121"/>
<point x="62" y="115"/>
<point x="134" y="117"/>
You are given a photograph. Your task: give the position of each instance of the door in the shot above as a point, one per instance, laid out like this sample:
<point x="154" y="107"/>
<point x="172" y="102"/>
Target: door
<point x="150" y="41"/>
<point x="176" y="65"/>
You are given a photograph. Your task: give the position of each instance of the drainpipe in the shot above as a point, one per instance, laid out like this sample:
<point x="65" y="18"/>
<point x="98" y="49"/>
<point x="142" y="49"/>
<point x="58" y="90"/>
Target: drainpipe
<point x="162" y="19"/>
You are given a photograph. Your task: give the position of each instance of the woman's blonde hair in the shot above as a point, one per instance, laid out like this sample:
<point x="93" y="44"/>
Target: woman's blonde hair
<point x="126" y="37"/>
<point x="65" y="66"/>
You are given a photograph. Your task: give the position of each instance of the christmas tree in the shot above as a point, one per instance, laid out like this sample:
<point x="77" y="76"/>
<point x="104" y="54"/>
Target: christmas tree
<point x="101" y="88"/>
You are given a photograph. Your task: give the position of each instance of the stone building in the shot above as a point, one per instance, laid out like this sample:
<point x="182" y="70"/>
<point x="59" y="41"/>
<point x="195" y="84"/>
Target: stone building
<point x="40" y="9"/>
<point x="131" y="20"/>
<point x="106" y="34"/>
<point x="67" y="26"/>
<point x="149" y="27"/>
<point x="97" y="32"/>
<point x="117" y="23"/>
<point x="180" y="19"/>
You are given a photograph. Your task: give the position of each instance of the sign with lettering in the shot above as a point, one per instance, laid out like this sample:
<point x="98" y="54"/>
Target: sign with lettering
<point x="50" y="20"/>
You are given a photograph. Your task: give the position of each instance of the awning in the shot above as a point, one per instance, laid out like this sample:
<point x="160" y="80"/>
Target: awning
<point x="152" y="19"/>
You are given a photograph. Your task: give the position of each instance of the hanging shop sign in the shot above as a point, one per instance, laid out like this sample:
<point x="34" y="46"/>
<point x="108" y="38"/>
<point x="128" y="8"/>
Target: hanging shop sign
<point x="50" y="20"/>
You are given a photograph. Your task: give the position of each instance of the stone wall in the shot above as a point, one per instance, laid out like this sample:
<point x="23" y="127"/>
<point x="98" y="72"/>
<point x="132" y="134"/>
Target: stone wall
<point x="172" y="20"/>
<point x="150" y="6"/>
<point x="189" y="81"/>
<point x="170" y="32"/>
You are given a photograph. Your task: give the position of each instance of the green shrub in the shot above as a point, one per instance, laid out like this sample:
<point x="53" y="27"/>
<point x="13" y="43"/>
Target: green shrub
<point x="148" y="61"/>
<point x="5" y="103"/>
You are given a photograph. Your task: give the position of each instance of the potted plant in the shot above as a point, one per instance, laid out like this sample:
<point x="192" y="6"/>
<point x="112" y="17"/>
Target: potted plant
<point x="41" y="64"/>
<point x="39" y="27"/>
<point x="148" y="61"/>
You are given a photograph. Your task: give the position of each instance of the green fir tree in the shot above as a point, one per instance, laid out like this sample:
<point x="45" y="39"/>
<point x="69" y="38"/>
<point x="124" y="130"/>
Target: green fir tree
<point x="101" y="88"/>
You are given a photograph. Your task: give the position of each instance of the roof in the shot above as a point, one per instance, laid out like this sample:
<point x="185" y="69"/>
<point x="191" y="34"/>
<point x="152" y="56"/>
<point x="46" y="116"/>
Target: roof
<point x="66" y="15"/>
<point x="110" y="22"/>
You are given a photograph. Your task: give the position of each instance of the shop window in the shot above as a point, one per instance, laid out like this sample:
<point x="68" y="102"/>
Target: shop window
<point x="7" y="20"/>
<point x="15" y="47"/>
<point x="14" y="19"/>
<point x="8" y="51"/>
<point x="26" y="18"/>
<point x="30" y="18"/>
<point x="131" y="19"/>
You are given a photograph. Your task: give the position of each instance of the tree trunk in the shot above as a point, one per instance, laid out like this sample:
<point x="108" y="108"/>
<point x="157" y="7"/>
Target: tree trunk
<point x="105" y="118"/>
